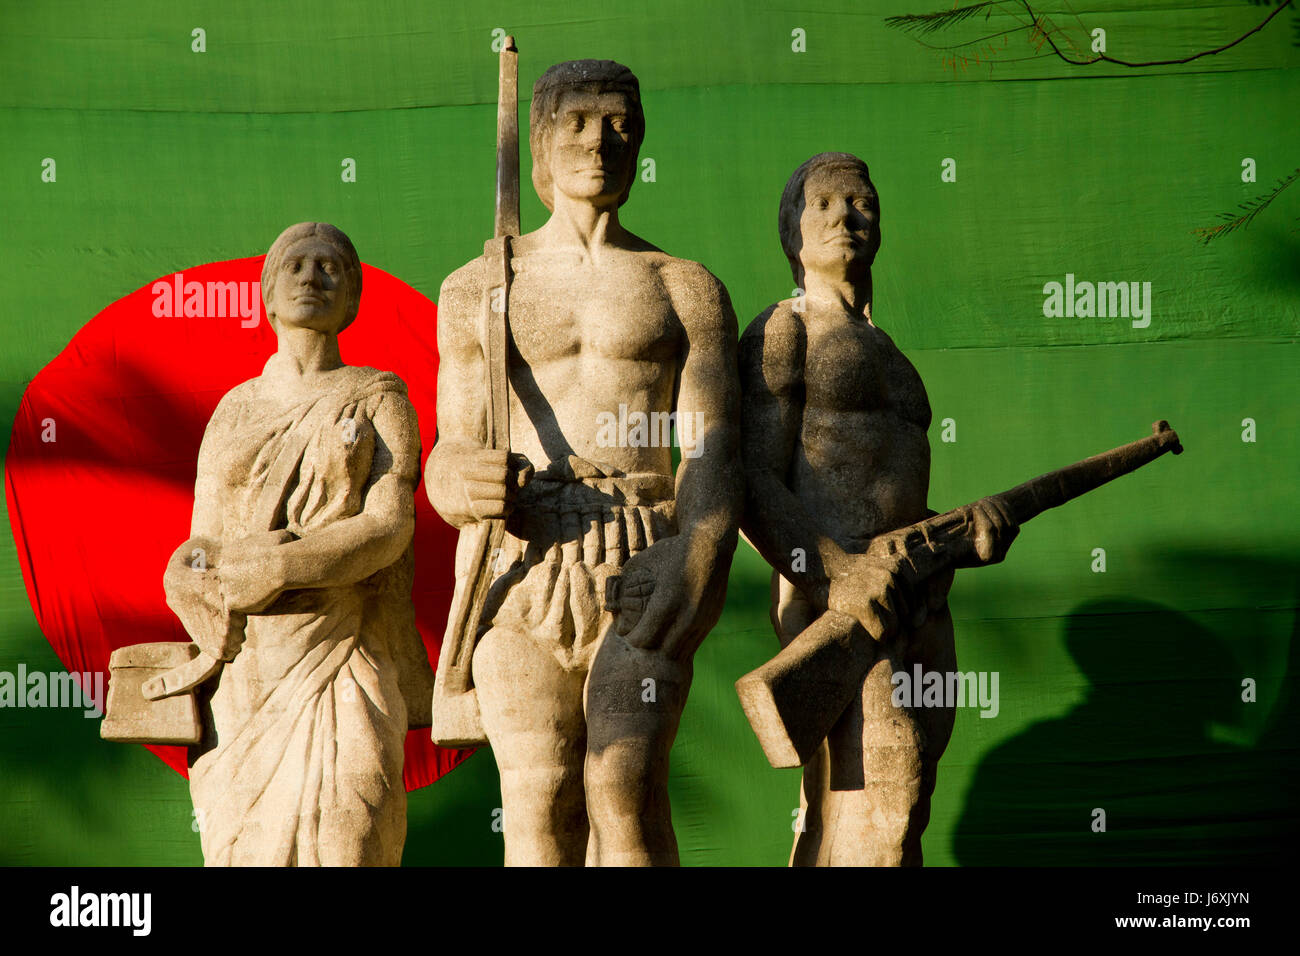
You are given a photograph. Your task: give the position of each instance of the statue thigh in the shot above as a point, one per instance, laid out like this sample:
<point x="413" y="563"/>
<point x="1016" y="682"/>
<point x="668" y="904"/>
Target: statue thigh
<point x="634" y="700"/>
<point x="865" y="795"/>
<point x="882" y="760"/>
<point x="532" y="715"/>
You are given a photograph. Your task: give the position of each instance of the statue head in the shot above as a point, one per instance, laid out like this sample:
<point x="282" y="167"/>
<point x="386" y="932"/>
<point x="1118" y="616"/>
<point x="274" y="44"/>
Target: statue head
<point x="829" y="218"/>
<point x="585" y="130"/>
<point x="312" y="278"/>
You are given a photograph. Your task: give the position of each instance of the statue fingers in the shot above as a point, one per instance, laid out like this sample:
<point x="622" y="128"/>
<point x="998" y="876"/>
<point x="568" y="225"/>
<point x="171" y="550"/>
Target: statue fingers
<point x="879" y="621"/>
<point x="995" y="529"/>
<point x="651" y="624"/>
<point x="983" y="533"/>
<point x="485" y="490"/>
<point x="895" y="598"/>
<point x="615" y="538"/>
<point x="493" y="457"/>
<point x="485" y="508"/>
<point x="1008" y="527"/>
<point x="647" y="524"/>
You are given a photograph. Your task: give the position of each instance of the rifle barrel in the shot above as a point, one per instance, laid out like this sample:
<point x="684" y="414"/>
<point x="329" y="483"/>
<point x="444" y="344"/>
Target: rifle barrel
<point x="506" y="220"/>
<point x="1057" y="487"/>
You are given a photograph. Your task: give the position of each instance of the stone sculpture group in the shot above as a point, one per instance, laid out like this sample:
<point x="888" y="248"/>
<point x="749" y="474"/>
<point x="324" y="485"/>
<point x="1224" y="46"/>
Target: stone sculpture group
<point x="570" y="652"/>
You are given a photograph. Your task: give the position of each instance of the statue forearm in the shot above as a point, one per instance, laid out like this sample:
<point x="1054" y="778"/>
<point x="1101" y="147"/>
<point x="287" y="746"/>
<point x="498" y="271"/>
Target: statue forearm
<point x="708" y="510"/>
<point x="344" y="553"/>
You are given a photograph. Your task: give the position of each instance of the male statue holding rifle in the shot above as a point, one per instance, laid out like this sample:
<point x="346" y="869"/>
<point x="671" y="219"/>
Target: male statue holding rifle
<point x="578" y="613"/>
<point x="837" y="468"/>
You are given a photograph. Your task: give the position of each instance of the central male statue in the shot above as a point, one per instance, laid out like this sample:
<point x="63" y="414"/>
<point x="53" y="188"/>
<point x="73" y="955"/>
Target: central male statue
<point x="579" y="702"/>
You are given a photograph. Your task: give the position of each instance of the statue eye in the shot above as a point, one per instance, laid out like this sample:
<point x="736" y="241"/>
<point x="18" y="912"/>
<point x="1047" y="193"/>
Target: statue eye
<point x="822" y="203"/>
<point x="619" y="123"/>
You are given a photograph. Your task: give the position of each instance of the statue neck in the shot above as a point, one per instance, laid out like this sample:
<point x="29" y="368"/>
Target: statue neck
<point x="575" y="222"/>
<point x="840" y="292"/>
<point x="303" y="353"/>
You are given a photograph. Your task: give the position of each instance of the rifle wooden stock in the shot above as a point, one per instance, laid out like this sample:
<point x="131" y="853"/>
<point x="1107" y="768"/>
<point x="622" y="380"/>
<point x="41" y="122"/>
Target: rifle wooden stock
<point x="794" y="700"/>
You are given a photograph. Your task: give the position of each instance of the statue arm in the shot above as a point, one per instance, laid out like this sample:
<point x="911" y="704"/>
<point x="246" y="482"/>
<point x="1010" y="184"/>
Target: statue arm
<point x="776" y="523"/>
<point x="207" y="521"/>
<point x="464" y="479"/>
<point x="709" y="480"/>
<point x="189" y="577"/>
<point x="674" y="590"/>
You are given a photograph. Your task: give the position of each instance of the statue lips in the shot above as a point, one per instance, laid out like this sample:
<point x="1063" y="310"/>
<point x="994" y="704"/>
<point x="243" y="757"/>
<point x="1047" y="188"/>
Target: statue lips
<point x="99" y="475"/>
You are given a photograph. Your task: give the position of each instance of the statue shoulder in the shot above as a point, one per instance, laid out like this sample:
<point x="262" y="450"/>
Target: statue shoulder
<point x="773" y="347"/>
<point x="235" y="399"/>
<point x="225" y="420"/>
<point x="462" y="288"/>
<point x="699" y="297"/>
<point x="363" y="379"/>
<point x="778" y="328"/>
<point x="687" y="274"/>
<point x="459" y="302"/>
<point x="390" y="410"/>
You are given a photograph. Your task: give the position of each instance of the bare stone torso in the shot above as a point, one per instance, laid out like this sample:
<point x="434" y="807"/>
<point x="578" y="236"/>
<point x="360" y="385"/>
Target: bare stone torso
<point x="862" y="464"/>
<point x="588" y="339"/>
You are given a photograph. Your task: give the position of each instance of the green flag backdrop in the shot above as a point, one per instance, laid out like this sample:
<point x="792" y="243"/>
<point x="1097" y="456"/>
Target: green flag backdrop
<point x="1160" y="689"/>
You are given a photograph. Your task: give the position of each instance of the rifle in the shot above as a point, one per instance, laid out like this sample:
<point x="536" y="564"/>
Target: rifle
<point x="456" y="718"/>
<point x="794" y="700"/>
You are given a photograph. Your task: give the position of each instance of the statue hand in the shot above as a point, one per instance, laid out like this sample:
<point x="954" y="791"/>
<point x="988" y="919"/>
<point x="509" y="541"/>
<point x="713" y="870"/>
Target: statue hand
<point x="472" y="484"/>
<point x="251" y="573"/>
<point x="667" y="590"/>
<point x="647" y="596"/>
<point x="876" y="592"/>
<point x="992" y="528"/>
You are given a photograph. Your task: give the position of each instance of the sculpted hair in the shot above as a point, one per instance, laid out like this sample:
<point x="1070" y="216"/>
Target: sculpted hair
<point x="337" y="240"/>
<point x="588" y="76"/>
<point x="791" y="208"/>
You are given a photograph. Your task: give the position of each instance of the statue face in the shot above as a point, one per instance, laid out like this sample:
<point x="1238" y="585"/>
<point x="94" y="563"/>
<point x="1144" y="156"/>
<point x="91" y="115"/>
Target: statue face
<point x="309" y="287"/>
<point x="840" y="224"/>
<point x="590" y="148"/>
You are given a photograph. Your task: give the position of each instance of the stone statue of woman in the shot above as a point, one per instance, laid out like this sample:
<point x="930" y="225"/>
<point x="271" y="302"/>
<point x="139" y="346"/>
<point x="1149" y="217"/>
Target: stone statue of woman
<point x="296" y="586"/>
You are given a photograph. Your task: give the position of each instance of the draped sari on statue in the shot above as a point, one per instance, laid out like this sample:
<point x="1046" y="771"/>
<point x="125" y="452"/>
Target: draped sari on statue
<point x="302" y="752"/>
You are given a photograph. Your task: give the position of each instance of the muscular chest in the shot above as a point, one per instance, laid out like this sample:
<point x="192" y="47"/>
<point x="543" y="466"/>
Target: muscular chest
<point x="561" y="309"/>
<point x="856" y="368"/>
